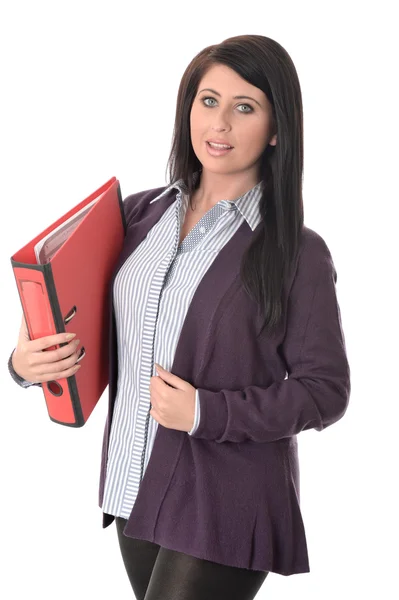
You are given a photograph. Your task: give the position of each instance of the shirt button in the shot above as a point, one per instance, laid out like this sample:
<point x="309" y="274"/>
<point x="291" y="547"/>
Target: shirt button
<point x="202" y="229"/>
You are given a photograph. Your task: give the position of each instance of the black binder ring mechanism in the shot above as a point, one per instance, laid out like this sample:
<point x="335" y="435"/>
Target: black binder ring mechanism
<point x="69" y="318"/>
<point x="54" y="387"/>
<point x="70" y="315"/>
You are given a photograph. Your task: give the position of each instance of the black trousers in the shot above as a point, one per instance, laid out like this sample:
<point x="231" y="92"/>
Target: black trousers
<point x="157" y="573"/>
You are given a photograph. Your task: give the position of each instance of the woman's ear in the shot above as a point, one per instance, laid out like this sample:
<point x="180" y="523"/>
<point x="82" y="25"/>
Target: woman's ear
<point x="273" y="140"/>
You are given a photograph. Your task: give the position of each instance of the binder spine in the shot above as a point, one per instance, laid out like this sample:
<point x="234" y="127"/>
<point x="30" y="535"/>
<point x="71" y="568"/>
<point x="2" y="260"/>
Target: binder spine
<point x="43" y="316"/>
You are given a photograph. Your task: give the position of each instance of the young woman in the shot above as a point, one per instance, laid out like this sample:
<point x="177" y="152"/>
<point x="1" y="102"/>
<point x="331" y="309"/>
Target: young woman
<point x="226" y="341"/>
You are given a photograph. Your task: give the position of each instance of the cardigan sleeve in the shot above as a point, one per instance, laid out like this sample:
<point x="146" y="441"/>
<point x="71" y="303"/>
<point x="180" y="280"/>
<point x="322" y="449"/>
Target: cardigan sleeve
<point x="316" y="392"/>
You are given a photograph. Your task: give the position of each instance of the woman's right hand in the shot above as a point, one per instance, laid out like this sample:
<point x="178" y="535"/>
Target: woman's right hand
<point x="35" y="364"/>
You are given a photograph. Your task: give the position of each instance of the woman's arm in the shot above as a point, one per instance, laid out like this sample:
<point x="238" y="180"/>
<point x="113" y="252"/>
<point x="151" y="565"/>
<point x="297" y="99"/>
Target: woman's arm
<point x="20" y="380"/>
<point x="316" y="392"/>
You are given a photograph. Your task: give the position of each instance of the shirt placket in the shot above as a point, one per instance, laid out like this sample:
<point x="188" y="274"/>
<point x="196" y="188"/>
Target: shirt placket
<point x="190" y="242"/>
<point x="136" y="470"/>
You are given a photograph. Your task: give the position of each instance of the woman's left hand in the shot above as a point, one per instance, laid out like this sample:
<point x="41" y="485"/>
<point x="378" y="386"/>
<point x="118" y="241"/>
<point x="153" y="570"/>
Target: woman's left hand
<point x="173" y="407"/>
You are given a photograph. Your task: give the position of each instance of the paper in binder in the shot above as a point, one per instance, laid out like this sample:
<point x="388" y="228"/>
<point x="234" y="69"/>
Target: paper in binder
<point x="63" y="278"/>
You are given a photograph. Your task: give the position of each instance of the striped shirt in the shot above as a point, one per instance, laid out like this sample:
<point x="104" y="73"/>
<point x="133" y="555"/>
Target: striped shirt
<point x="152" y="293"/>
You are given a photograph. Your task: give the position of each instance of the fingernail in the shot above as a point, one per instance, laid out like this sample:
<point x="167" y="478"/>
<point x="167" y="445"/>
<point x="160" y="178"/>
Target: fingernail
<point x="69" y="336"/>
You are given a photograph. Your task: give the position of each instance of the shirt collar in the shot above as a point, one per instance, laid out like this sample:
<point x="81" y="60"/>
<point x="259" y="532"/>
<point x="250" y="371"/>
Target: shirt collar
<point x="247" y="204"/>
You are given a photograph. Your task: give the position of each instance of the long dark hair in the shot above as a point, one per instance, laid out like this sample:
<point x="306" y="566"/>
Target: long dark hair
<point x="265" y="64"/>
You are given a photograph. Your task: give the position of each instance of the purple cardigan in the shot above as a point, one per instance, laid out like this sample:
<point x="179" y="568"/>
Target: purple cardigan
<point x="230" y="492"/>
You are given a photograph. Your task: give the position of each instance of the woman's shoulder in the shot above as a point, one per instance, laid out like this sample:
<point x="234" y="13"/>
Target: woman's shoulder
<point x="313" y="246"/>
<point x="134" y="204"/>
<point x="314" y="254"/>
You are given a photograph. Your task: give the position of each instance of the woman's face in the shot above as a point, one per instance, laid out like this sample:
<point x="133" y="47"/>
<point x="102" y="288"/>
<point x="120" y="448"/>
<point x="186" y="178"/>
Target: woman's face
<point x="244" y="123"/>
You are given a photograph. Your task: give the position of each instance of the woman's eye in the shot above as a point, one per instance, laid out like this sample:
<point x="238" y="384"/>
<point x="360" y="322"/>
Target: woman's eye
<point x="244" y="111"/>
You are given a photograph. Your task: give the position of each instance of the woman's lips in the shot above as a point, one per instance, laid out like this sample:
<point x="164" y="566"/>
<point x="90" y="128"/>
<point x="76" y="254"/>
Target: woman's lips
<point x="217" y="152"/>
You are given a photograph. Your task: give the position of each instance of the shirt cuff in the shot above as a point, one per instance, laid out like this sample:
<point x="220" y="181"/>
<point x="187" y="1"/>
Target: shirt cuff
<point x="20" y="380"/>
<point x="196" y="415"/>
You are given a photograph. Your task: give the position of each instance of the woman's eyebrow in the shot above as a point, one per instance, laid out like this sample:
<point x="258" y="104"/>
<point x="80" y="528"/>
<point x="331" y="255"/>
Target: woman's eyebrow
<point x="234" y="97"/>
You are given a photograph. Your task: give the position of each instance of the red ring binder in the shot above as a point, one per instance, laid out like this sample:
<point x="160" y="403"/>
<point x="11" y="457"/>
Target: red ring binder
<point x="69" y="291"/>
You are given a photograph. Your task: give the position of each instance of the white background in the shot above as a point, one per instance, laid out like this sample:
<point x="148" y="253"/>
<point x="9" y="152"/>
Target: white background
<point x="88" y="91"/>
